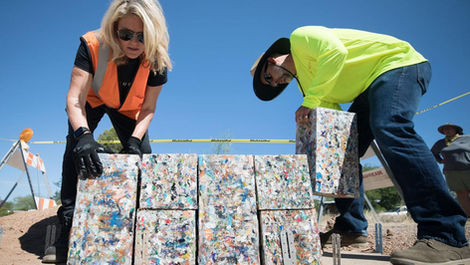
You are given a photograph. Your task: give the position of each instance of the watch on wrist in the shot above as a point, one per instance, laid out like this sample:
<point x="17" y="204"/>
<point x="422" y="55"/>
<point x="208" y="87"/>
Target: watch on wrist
<point x="80" y="131"/>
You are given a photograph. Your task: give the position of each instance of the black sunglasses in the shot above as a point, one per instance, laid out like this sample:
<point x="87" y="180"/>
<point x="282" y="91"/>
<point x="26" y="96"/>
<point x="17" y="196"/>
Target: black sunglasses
<point x="127" y="35"/>
<point x="269" y="78"/>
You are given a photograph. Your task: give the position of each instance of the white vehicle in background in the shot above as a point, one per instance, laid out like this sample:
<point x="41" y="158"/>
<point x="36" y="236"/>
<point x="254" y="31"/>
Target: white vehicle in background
<point x="400" y="210"/>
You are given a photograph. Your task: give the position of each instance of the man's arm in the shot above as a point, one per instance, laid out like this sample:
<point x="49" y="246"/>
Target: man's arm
<point x="326" y="55"/>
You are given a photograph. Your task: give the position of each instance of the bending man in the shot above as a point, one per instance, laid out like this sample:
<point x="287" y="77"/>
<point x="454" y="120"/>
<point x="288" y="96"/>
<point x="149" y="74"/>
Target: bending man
<point x="384" y="78"/>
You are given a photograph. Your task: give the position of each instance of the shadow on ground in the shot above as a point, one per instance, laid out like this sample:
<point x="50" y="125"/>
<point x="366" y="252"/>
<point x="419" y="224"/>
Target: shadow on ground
<point x="33" y="241"/>
<point x="359" y="256"/>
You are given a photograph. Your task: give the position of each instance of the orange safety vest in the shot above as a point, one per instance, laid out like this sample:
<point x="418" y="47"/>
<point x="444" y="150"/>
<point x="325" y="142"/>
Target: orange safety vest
<point x="105" y="88"/>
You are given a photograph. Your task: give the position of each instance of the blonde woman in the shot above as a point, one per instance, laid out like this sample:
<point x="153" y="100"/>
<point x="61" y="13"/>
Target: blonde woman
<point x="119" y="70"/>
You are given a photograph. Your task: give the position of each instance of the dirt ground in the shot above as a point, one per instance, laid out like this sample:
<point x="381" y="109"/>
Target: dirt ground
<point x="398" y="232"/>
<point x="23" y="238"/>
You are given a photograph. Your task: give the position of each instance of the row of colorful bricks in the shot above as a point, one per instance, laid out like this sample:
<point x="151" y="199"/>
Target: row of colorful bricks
<point x="171" y="181"/>
<point x="275" y="182"/>
<point x="225" y="236"/>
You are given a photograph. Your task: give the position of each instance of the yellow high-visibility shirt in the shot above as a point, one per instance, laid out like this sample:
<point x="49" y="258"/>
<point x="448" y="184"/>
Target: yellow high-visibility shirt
<point x="335" y="66"/>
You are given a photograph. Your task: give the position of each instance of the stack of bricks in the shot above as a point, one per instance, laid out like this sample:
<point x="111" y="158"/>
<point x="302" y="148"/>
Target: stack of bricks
<point x="216" y="206"/>
<point x="285" y="204"/>
<point x="166" y="219"/>
<point x="103" y="221"/>
<point x="228" y="224"/>
<point x="216" y="209"/>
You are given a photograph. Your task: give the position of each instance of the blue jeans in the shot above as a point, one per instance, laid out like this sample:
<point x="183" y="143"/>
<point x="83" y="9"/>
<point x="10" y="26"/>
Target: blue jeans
<point x="385" y="112"/>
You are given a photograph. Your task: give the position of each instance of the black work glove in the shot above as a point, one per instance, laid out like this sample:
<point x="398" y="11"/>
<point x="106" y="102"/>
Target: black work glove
<point x="85" y="152"/>
<point x="132" y="146"/>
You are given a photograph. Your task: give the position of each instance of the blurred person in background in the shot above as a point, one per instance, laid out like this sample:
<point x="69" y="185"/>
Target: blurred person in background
<point x="453" y="151"/>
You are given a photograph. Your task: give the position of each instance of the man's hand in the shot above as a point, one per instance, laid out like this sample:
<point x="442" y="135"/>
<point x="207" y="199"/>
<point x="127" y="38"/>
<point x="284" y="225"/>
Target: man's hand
<point x="302" y="115"/>
<point x="132" y="146"/>
<point x="85" y="152"/>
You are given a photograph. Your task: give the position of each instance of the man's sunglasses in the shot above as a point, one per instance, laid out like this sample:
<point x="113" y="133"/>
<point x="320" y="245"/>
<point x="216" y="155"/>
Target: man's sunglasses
<point x="269" y="79"/>
<point x="127" y="35"/>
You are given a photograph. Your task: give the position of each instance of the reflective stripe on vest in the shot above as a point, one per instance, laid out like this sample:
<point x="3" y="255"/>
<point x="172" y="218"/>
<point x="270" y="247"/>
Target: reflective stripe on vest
<point x="103" y="56"/>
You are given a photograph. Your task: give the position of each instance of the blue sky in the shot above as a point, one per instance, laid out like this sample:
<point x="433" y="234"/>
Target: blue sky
<point x="213" y="45"/>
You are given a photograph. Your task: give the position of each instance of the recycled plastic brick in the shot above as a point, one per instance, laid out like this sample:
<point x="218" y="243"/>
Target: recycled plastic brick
<point x="330" y="142"/>
<point x="169" y="181"/>
<point x="227" y="180"/>
<point x="303" y="226"/>
<point x="103" y="224"/>
<point x="283" y="182"/>
<point x="166" y="237"/>
<point x="228" y="224"/>
<point x="228" y="235"/>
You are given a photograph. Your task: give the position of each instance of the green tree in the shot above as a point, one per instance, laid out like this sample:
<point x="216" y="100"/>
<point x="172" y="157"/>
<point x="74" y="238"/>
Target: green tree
<point x="384" y="199"/>
<point x="24" y="203"/>
<point x="110" y="135"/>
<point x="367" y="167"/>
<point x="56" y="196"/>
<point x="7" y="208"/>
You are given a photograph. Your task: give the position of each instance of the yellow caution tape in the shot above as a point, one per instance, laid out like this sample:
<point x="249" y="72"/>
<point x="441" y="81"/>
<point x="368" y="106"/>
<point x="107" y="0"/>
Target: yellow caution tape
<point x="10" y="140"/>
<point x="223" y="141"/>
<point x="188" y="141"/>
<point x="47" y="142"/>
<point x="440" y="104"/>
<point x="232" y="140"/>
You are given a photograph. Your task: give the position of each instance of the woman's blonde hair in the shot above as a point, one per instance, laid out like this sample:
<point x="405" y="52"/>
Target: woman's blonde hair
<point x="156" y="39"/>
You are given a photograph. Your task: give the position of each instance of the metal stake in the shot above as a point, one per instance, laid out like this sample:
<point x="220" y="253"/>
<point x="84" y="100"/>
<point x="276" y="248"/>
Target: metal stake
<point x="378" y="238"/>
<point x="336" y="240"/>
<point x="288" y="248"/>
